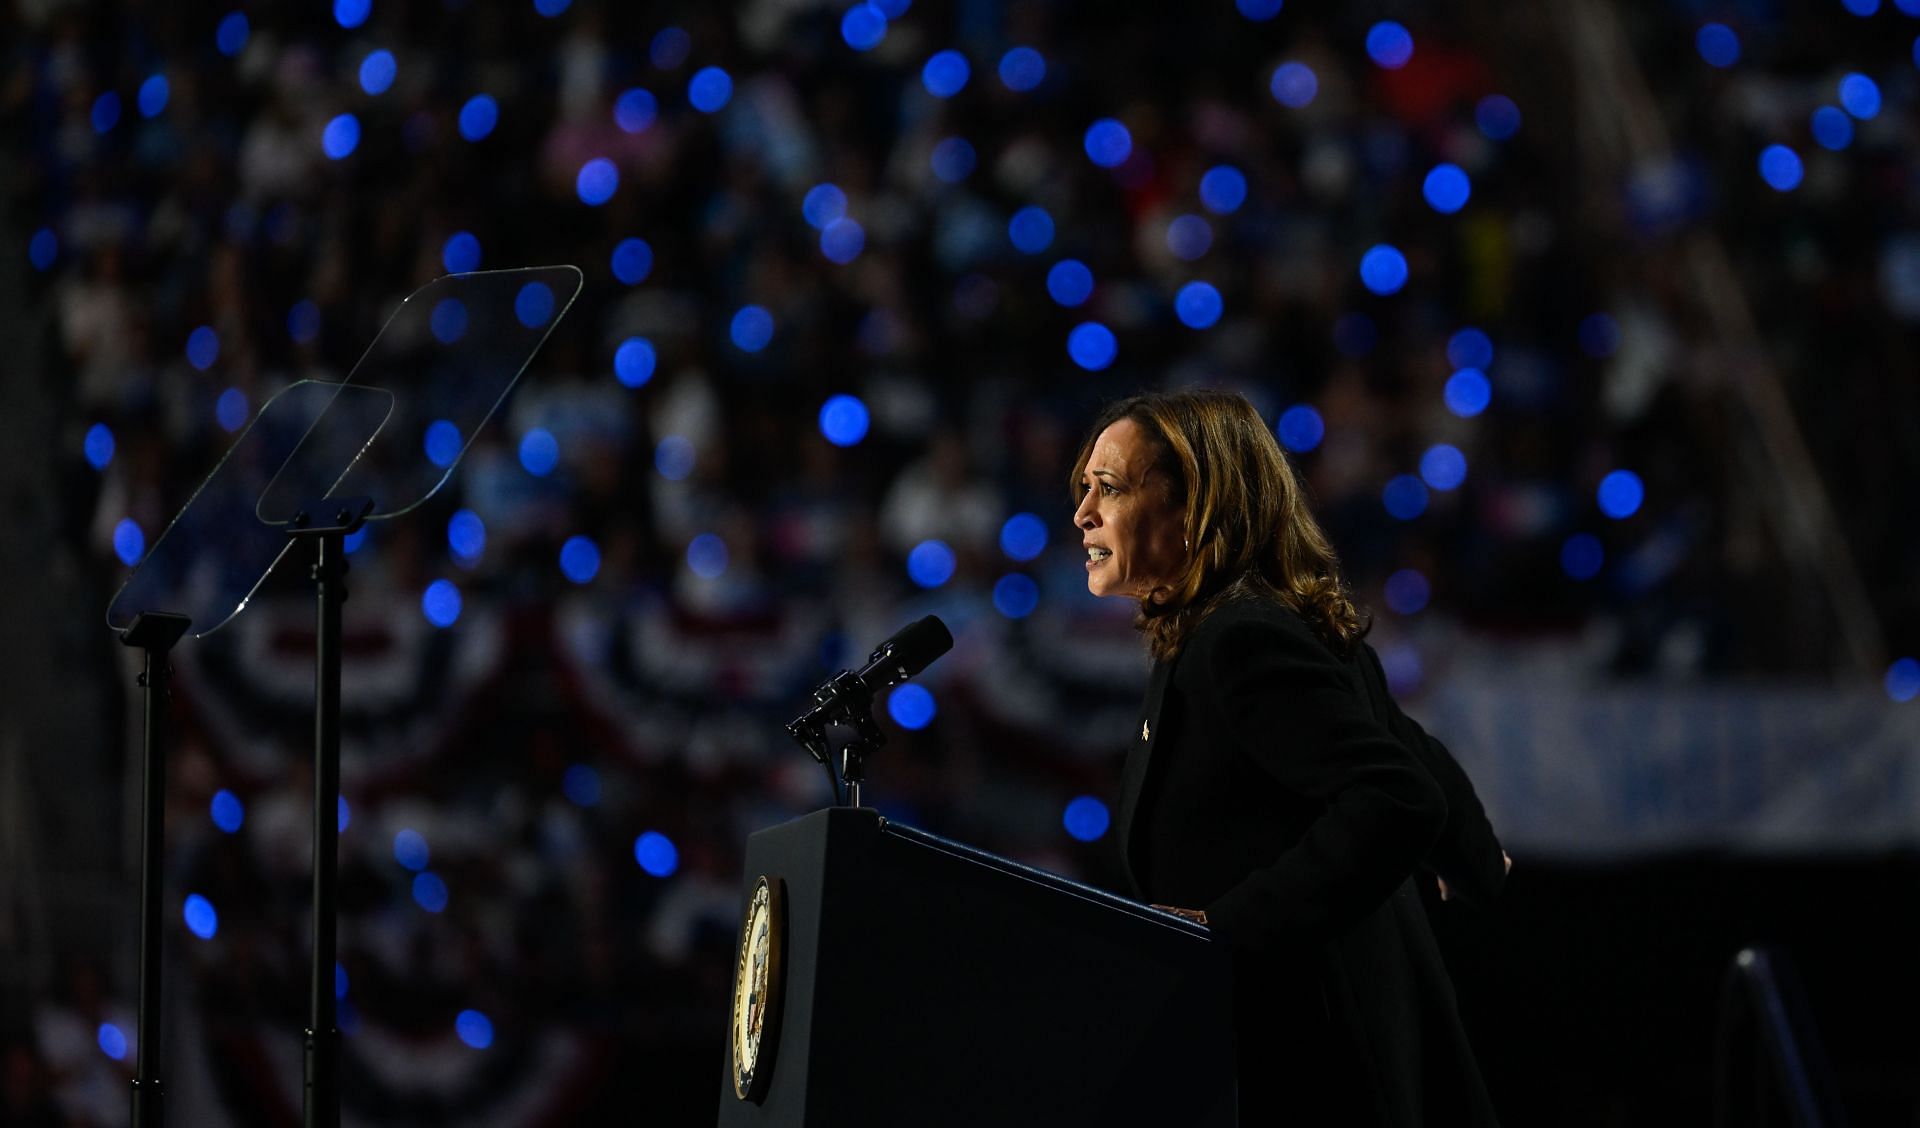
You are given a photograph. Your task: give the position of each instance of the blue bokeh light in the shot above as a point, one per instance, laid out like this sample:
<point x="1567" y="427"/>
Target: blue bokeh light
<point x="410" y="849"/>
<point x="377" y="71"/>
<point x="1780" y="167"/>
<point x="843" y="420"/>
<point x="1468" y="392"/>
<point x="440" y="603"/>
<point x="597" y="181"/>
<point x="1300" y="428"/>
<point x="1717" y="44"/>
<point x="1022" y="69"/>
<point x="945" y="74"/>
<point x="203" y="347"/>
<point x="1223" y="189"/>
<point x="112" y="1040"/>
<point x="351" y="13"/>
<point x="1294" y="85"/>
<point x="1860" y="96"/>
<point x="1405" y="497"/>
<point x="1470" y="348"/>
<point x="534" y="304"/>
<point x="43" y="248"/>
<point x="1832" y="128"/>
<point x="674" y="458"/>
<point x="341" y="137"/>
<point x="823" y="204"/>
<point x="430" y="892"/>
<point x="1407" y="592"/>
<point x="911" y="706"/>
<point x="461" y="253"/>
<point x="1581" y="556"/>
<point x="1443" y="466"/>
<point x="106" y="112"/>
<point x="351" y="543"/>
<point x="442" y="442"/>
<point x="580" y="559"/>
<point x="632" y="261"/>
<point x="551" y="8"/>
<point x="1086" y="818"/>
<point x="342" y="814"/>
<point x="1903" y="679"/>
<point x="227" y="811"/>
<point x="1031" y="229"/>
<point x="1389" y="44"/>
<point x="1189" y="237"/>
<point x="303" y="322"/>
<point x="1070" y="282"/>
<point x="466" y="535"/>
<point x="1259" y="10"/>
<point x="1621" y="493"/>
<point x="1599" y="335"/>
<point x="930" y="563"/>
<point x="752" y="328"/>
<point x="1497" y="116"/>
<point x="843" y="240"/>
<point x="129" y="543"/>
<point x="581" y="785"/>
<point x="1015" y="595"/>
<point x="1861" y="7"/>
<point x="710" y="89"/>
<point x="656" y="854"/>
<point x="1023" y="536"/>
<point x="340" y="983"/>
<point x="1383" y="269"/>
<point x="1108" y="144"/>
<point x="539" y="452"/>
<point x="634" y="361"/>
<point x="231" y="36"/>
<point x="478" y="116"/>
<point x="1447" y="188"/>
<point x="1198" y="305"/>
<point x="153" y="95"/>
<point x="707" y="556"/>
<point x="953" y="159"/>
<point x="863" y="27"/>
<point x="230" y="410"/>
<point x="1092" y="346"/>
<point x="635" y="109"/>
<point x="474" y="1028"/>
<point x="669" y="47"/>
<point x="98" y="446"/>
<point x="202" y="920"/>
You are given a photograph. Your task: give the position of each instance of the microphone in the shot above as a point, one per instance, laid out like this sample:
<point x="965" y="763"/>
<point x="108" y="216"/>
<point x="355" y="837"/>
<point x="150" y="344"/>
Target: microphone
<point x="912" y="649"/>
<point x="847" y="697"/>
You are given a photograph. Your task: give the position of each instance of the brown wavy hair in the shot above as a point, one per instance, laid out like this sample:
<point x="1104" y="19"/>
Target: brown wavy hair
<point x="1247" y="520"/>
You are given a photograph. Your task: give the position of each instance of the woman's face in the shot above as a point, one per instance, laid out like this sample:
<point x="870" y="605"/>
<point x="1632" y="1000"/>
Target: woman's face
<point x="1132" y="531"/>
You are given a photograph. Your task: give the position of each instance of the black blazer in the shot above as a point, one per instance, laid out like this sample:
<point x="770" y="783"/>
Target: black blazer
<point x="1276" y="785"/>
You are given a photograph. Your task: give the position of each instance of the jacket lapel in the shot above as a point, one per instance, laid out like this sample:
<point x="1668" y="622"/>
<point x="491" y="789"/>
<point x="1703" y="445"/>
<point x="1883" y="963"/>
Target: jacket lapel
<point x="1133" y="776"/>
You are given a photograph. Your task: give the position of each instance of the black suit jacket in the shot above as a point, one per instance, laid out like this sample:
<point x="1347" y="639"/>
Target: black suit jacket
<point x="1275" y="784"/>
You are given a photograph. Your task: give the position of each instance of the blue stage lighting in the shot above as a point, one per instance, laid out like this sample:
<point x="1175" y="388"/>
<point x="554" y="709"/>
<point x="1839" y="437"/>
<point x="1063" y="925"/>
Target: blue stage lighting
<point x="656" y="854"/>
<point x="1447" y="188"/>
<point x="1389" y="44"/>
<point x="231" y="36"/>
<point x="1861" y="7"/>
<point x="43" y="248"/>
<point x="1581" y="556"/>
<point x="930" y="564"/>
<point x="1223" y="189"/>
<point x="1198" y="305"/>
<point x="1023" y="536"/>
<point x="599" y="178"/>
<point x="1405" y="497"/>
<point x="1259" y="10"/>
<point x="442" y="442"/>
<point x="1108" y="144"/>
<point x="1092" y="346"/>
<point x="341" y="137"/>
<point x="581" y="785"/>
<point x="227" y="811"/>
<point x="710" y="89"/>
<point x="752" y="328"/>
<point x="303" y="322"/>
<point x="635" y="110"/>
<point x="1189" y="237"/>
<point x="1860" y="96"/>
<point x="1468" y="393"/>
<point x="823" y="204"/>
<point x="843" y="240"/>
<point x="377" y="71"/>
<point x="98" y="446"/>
<point x="1599" y="336"/>
<point x="911" y="706"/>
<point x="633" y="361"/>
<point x="129" y="543"/>
<point x="863" y="27"/>
<point x="351" y="543"/>
<point x="351" y="13"/>
<point x="1470" y="348"/>
<point x="342" y="815"/>
<point x="1903" y="679"/>
<point x="632" y="261"/>
<point x="669" y="48"/>
<point x="1443" y="466"/>
<point x="1300" y="428"/>
<point x="112" y="1040"/>
<point x="153" y="96"/>
<point x="1407" y="592"/>
<point x="461" y="253"/>
<point x="1717" y="44"/>
<point x="1015" y="595"/>
<point x="551" y="8"/>
<point x="1294" y="85"/>
<point x="1832" y="128"/>
<point x="106" y="112"/>
<point x="707" y="556"/>
<point x="674" y="458"/>
<point x="1031" y="229"/>
<point x="945" y="74"/>
<point x="448" y="320"/>
<point x="1086" y="818"/>
<point x="1383" y="269"/>
<point x="430" y="892"/>
<point x="410" y="849"/>
<point x="1497" y="116"/>
<point x="533" y="305"/>
<point x="843" y="420"/>
<point x="1780" y="167"/>
<point x="201" y="918"/>
<point x="953" y="159"/>
<point x="230" y="410"/>
<point x="1070" y="282"/>
<point x="580" y="559"/>
<point x="203" y="347"/>
<point x="474" y="1028"/>
<point x="440" y="603"/>
<point x="466" y="535"/>
<point x="478" y="117"/>
<point x="539" y="452"/>
<point x="1620" y="494"/>
<point x="1022" y="69"/>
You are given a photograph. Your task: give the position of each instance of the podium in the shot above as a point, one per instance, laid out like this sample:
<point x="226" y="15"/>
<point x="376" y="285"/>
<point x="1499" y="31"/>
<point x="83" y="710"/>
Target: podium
<point x="899" y="978"/>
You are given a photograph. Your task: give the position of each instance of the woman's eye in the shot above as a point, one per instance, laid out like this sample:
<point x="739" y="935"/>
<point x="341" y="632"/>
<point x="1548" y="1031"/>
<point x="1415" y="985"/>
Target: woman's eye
<point x="1107" y="488"/>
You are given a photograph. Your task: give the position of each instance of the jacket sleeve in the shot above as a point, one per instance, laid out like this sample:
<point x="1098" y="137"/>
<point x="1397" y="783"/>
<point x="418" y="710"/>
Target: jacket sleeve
<point x="1467" y="854"/>
<point x="1293" y="709"/>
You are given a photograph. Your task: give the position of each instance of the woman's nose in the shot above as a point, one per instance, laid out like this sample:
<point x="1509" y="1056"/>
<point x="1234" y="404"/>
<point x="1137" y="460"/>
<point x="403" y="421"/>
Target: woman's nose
<point x="1083" y="516"/>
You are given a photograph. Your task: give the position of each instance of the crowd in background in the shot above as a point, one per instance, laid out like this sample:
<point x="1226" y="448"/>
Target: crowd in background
<point x="579" y="747"/>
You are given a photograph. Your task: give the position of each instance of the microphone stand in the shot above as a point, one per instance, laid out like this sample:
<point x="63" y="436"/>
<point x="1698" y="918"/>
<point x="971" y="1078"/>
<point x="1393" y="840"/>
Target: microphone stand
<point x="845" y="701"/>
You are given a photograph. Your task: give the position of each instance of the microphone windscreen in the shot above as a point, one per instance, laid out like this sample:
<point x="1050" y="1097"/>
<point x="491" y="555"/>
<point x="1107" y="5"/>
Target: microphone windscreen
<point x="919" y="643"/>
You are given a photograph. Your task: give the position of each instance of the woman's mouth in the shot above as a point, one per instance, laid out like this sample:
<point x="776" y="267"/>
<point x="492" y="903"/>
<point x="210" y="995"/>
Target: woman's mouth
<point x="1097" y="556"/>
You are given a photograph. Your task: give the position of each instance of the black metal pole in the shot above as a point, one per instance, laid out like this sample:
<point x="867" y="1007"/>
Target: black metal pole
<point x="154" y="633"/>
<point x="322" y="1035"/>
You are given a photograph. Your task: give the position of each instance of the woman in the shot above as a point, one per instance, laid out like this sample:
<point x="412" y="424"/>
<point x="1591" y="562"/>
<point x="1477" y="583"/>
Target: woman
<point x="1274" y="792"/>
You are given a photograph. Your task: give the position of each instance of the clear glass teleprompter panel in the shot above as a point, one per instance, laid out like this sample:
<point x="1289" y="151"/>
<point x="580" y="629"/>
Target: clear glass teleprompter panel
<point x="394" y="431"/>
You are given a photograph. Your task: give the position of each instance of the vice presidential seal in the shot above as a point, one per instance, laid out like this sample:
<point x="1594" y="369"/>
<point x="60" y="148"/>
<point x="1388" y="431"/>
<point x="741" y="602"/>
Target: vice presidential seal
<point x="756" y="990"/>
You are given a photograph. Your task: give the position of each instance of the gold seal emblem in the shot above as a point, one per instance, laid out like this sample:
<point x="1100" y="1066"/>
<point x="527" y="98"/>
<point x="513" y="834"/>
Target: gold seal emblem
<point x="756" y="991"/>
